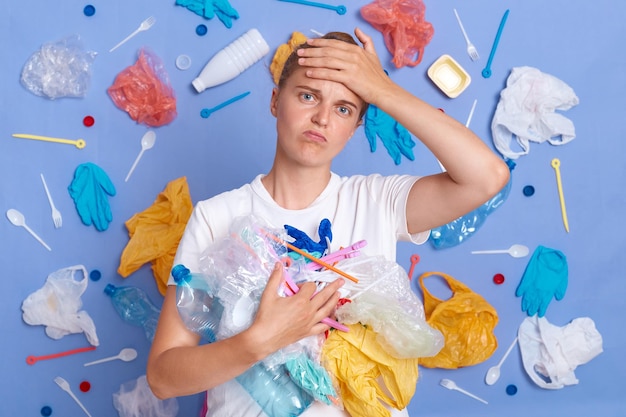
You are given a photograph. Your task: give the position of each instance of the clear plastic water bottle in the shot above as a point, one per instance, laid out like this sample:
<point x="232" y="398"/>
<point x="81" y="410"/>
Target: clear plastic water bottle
<point x="232" y="60"/>
<point x="461" y="229"/>
<point x="198" y="308"/>
<point x="134" y="307"/>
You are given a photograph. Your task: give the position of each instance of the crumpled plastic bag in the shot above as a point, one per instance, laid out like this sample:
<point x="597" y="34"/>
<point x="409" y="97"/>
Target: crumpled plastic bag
<point x="143" y="90"/>
<point x="283" y="52"/>
<point x="59" y="69"/>
<point x="467" y="322"/>
<point x="135" y="399"/>
<point x="155" y="233"/>
<point x="90" y="189"/>
<point x="57" y="305"/>
<point x="550" y="354"/>
<point x="404" y="27"/>
<point x="526" y="112"/>
<point x="367" y="376"/>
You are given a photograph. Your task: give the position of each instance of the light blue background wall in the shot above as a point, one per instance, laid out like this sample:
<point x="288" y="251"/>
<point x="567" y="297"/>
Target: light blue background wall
<point x="579" y="42"/>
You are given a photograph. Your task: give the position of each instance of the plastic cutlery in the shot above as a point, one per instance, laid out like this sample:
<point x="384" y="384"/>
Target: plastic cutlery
<point x="556" y="164"/>
<point x="65" y="386"/>
<point x="493" y="373"/>
<point x="79" y="143"/>
<point x="447" y="383"/>
<point x="338" y="9"/>
<point x="471" y="114"/>
<point x="487" y="71"/>
<point x="471" y="49"/>
<point x="145" y="25"/>
<point x="56" y="214"/>
<point x="147" y="142"/>
<point x="516" y="251"/>
<point x="31" y="360"/>
<point x="126" y="354"/>
<point x="17" y="219"/>
<point x="205" y="113"/>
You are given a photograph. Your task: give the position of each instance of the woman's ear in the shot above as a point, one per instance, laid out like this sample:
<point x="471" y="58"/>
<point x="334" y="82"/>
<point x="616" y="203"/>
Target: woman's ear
<point x="273" y="101"/>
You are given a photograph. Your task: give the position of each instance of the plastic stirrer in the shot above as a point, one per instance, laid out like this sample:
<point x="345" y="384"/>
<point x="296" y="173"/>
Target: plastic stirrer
<point x="471" y="113"/>
<point x="338" y="9"/>
<point x="79" y="143"/>
<point x="556" y="164"/>
<point x="126" y="355"/>
<point x="205" y="113"/>
<point x="487" y="71"/>
<point x="31" y="360"/>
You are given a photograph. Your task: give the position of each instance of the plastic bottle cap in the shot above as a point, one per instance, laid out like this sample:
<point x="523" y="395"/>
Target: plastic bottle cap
<point x="46" y="411"/>
<point x="180" y="272"/>
<point x="88" y="121"/>
<point x="201" y="30"/>
<point x="528" y="190"/>
<point x="95" y="275"/>
<point x="183" y="62"/>
<point x="85" y="386"/>
<point x="511" y="389"/>
<point x="89" y="10"/>
<point x="109" y="289"/>
<point x="498" y="279"/>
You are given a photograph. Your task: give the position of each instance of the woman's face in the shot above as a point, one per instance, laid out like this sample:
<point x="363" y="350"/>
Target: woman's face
<point x="314" y="119"/>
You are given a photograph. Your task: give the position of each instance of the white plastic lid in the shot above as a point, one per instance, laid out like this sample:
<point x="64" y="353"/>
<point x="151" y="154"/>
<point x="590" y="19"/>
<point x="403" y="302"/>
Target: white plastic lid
<point x="183" y="62"/>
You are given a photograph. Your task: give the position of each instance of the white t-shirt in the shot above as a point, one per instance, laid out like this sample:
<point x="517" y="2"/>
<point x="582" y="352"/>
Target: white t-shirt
<point x="371" y="208"/>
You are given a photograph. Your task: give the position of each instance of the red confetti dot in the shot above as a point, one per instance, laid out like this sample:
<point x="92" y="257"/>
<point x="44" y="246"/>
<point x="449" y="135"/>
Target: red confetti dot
<point x="498" y="278"/>
<point x="85" y="386"/>
<point x="88" y="121"/>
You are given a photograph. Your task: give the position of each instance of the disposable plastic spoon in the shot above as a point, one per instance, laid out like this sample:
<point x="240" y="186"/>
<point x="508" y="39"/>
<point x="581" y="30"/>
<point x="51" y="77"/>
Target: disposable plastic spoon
<point x="147" y="142"/>
<point x="65" y="386"/>
<point x="493" y="373"/>
<point x="447" y="383"/>
<point x="516" y="251"/>
<point x="17" y="219"/>
<point x="338" y="9"/>
<point x="126" y="354"/>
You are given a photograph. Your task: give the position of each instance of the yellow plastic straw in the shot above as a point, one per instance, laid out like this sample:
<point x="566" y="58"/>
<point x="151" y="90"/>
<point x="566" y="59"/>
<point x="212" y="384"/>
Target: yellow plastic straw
<point x="556" y="163"/>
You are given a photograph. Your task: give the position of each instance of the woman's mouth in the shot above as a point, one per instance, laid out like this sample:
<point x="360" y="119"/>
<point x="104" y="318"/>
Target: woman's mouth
<point x="315" y="136"/>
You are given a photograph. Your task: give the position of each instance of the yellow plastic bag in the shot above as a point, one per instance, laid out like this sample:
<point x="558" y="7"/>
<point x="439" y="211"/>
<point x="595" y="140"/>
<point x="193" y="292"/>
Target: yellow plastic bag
<point x="359" y="364"/>
<point x="466" y="320"/>
<point x="155" y="233"/>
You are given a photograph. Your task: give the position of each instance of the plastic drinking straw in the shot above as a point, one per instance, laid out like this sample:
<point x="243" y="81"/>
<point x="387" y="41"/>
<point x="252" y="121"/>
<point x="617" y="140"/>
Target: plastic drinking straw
<point x="556" y="163"/>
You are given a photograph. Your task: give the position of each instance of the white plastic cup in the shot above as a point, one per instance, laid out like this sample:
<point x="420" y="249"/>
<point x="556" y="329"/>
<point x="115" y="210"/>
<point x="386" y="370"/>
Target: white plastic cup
<point x="232" y="60"/>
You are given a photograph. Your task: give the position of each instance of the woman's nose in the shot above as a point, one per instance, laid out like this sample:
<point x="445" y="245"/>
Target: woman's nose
<point x="321" y="115"/>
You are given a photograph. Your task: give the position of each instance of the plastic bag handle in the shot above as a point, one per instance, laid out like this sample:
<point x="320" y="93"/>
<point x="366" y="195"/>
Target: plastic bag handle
<point x="430" y="301"/>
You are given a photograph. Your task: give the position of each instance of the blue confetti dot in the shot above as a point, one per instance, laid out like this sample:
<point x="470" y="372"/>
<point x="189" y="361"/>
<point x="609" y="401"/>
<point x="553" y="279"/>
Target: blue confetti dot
<point x="201" y="30"/>
<point x="89" y="10"/>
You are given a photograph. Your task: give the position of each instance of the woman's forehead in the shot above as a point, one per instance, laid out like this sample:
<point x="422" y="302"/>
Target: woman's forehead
<point x="299" y="79"/>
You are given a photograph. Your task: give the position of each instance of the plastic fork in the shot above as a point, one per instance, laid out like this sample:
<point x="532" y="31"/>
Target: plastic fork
<point x="449" y="384"/>
<point x="145" y="25"/>
<point x="65" y="386"/>
<point x="471" y="49"/>
<point x="56" y="214"/>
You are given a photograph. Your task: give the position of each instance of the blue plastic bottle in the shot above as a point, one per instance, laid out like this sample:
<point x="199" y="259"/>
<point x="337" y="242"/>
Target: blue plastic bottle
<point x="134" y="307"/>
<point x="461" y="229"/>
<point x="273" y="389"/>
<point x="198" y="308"/>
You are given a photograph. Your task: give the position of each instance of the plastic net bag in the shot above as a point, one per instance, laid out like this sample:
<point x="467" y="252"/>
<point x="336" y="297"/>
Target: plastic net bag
<point x="59" y="69"/>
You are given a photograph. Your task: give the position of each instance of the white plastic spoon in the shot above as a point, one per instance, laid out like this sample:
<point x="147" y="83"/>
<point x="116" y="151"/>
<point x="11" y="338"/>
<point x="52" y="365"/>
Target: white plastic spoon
<point x="516" y="251"/>
<point x="17" y="219"/>
<point x="493" y="373"/>
<point x="147" y="142"/>
<point x="126" y="354"/>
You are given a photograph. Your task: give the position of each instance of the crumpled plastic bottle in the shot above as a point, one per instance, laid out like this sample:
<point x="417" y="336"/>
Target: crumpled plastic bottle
<point x="134" y="307"/>
<point x="461" y="229"/>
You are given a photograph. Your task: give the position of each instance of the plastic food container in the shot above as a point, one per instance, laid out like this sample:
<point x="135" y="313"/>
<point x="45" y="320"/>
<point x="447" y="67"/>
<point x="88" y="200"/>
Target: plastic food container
<point x="449" y="76"/>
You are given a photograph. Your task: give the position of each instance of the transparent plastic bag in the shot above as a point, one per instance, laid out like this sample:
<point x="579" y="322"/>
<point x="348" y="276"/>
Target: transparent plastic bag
<point x="135" y="399"/>
<point x="59" y="69"/>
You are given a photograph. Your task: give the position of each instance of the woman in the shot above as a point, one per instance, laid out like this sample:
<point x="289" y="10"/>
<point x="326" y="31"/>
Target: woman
<point x="318" y="104"/>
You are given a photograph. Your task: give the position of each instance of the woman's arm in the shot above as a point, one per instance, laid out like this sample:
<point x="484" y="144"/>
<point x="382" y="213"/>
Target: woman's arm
<point x="474" y="173"/>
<point x="178" y="366"/>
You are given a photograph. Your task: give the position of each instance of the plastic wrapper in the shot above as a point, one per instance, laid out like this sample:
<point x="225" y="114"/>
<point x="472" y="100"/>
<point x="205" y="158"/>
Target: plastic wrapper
<point x="143" y="91"/>
<point x="59" y="69"/>
<point x="461" y="229"/>
<point x="404" y="27"/>
<point x="383" y="299"/>
<point x="467" y="322"/>
<point x="135" y="399"/>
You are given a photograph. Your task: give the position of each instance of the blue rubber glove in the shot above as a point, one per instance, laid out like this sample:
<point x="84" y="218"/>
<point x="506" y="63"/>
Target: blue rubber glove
<point x="90" y="189"/>
<point x="209" y="8"/>
<point x="394" y="136"/>
<point x="545" y="277"/>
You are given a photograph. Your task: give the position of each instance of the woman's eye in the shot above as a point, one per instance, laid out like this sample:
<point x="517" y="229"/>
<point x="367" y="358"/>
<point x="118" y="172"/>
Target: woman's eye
<point x="344" y="110"/>
<point x="307" y="96"/>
